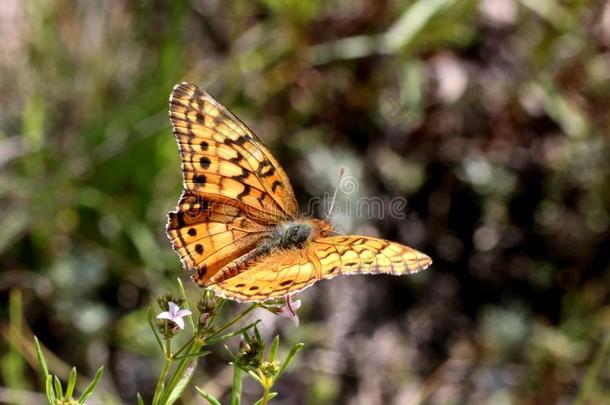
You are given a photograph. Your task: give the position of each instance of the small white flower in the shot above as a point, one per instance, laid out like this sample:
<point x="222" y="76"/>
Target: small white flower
<point x="175" y="314"/>
<point x="289" y="310"/>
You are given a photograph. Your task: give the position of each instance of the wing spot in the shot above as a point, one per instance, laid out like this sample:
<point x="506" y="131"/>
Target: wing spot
<point x="351" y="264"/>
<point x="204" y="145"/>
<point x="192" y="232"/>
<point x="265" y="169"/>
<point x="253" y="288"/>
<point x="275" y="185"/>
<point x="205" y="162"/>
<point x="200" y="178"/>
<point x="199" y="248"/>
<point x="200" y="118"/>
<point x="240" y="285"/>
<point x="285" y="283"/>
<point x="334" y="269"/>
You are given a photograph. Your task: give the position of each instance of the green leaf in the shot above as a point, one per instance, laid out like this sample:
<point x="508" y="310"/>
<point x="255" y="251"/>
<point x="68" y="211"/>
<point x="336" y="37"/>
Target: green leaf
<point x="295" y="349"/>
<point x="207" y="396"/>
<point x="178" y="388"/>
<point x="255" y="376"/>
<point x="274" y="347"/>
<point x="41" y="360"/>
<point x="154" y="330"/>
<point x="139" y="398"/>
<point x="257" y="334"/>
<point x="87" y="392"/>
<point x="58" y="389"/>
<point x="49" y="389"/>
<point x="71" y="383"/>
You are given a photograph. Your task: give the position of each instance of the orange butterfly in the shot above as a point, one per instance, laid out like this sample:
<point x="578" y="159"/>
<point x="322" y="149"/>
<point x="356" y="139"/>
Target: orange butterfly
<point x="237" y="224"/>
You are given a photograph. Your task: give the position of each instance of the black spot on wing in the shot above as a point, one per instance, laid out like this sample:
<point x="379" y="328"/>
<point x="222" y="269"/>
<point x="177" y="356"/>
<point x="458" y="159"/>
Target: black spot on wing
<point x="205" y="162"/>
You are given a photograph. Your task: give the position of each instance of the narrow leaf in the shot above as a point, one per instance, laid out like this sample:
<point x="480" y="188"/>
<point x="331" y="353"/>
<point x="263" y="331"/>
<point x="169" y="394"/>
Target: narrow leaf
<point x="49" y="389"/>
<point x="154" y="330"/>
<point x="295" y="349"/>
<point x="58" y="389"/>
<point x="207" y="396"/>
<point x="178" y="388"/>
<point x="41" y="359"/>
<point x="274" y="347"/>
<point x="87" y="392"/>
<point x="71" y="383"/>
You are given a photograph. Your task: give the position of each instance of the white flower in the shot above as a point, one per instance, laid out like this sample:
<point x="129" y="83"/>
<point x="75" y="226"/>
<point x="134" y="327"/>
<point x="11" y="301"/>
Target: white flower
<point x="289" y="310"/>
<point x="175" y="314"/>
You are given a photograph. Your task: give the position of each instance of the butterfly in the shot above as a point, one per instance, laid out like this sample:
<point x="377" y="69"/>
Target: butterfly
<point x="237" y="225"/>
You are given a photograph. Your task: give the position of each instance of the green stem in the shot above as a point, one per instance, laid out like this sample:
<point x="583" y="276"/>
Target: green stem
<point x="237" y="381"/>
<point x="234" y="321"/>
<point x="265" y="395"/>
<point x="192" y="346"/>
<point x="266" y="383"/>
<point x="167" y="363"/>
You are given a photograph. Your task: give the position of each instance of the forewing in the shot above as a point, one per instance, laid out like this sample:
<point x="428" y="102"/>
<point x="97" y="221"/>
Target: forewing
<point x="223" y="160"/>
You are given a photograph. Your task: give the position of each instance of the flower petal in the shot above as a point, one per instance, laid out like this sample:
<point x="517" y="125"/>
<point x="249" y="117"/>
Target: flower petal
<point x="183" y="312"/>
<point x="165" y="315"/>
<point x="173" y="308"/>
<point x="179" y="321"/>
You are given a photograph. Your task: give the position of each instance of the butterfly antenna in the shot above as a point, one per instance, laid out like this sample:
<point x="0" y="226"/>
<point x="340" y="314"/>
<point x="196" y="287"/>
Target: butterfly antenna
<point x="332" y="203"/>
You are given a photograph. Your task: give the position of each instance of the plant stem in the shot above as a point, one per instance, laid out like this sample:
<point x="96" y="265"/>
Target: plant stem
<point x="234" y="321"/>
<point x="191" y="347"/>
<point x="265" y="395"/>
<point x="266" y="383"/>
<point x="167" y="363"/>
<point x="236" y="389"/>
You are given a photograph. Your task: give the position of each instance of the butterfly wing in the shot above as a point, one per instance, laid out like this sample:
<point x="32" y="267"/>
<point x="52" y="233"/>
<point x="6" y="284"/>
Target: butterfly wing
<point x="223" y="160"/>
<point x="288" y="271"/>
<point x="234" y="190"/>
<point x="208" y="234"/>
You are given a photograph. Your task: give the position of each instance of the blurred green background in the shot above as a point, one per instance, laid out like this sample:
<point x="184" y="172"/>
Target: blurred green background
<point x="491" y="117"/>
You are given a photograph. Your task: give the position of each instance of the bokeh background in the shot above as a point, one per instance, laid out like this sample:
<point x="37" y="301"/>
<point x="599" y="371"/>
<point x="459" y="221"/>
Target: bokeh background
<point x="491" y="117"/>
